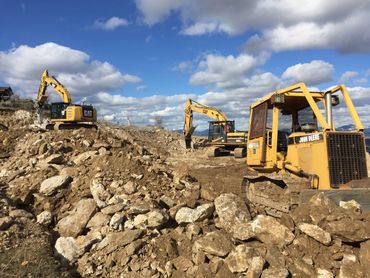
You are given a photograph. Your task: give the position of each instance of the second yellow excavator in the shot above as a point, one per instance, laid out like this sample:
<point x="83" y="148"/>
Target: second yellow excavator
<point x="221" y="133"/>
<point x="63" y="115"/>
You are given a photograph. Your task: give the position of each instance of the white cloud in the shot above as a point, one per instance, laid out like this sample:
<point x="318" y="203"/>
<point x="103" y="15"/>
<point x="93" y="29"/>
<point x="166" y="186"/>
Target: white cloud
<point x="21" y="68"/>
<point x="110" y="24"/>
<point x="282" y="25"/>
<point x="185" y="66"/>
<point x="313" y="73"/>
<point x="347" y="76"/>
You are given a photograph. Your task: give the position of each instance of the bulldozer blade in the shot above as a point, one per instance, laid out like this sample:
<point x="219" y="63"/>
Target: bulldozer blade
<point x="360" y="195"/>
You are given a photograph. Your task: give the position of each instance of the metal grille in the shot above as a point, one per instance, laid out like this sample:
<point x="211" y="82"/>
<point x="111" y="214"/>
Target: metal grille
<point x="347" y="160"/>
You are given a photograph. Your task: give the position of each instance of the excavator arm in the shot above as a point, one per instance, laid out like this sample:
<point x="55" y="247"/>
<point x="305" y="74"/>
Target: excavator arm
<point x="208" y="111"/>
<point x="46" y="81"/>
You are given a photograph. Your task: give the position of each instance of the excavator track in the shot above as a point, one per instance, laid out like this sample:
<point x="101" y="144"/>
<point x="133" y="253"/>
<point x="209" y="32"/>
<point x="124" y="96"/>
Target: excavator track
<point x="273" y="194"/>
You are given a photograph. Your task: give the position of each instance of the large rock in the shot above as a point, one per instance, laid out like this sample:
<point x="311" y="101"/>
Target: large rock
<point x="98" y="220"/>
<point x="275" y="272"/>
<point x="100" y="195"/>
<point x="51" y="185"/>
<point x="188" y="215"/>
<point x="350" y="267"/>
<point x="240" y="259"/>
<point x="365" y="256"/>
<point x="232" y="211"/>
<point x="214" y="243"/>
<point x="73" y="224"/>
<point x="66" y="247"/>
<point x="114" y="241"/>
<point x="266" y="229"/>
<point x="315" y="232"/>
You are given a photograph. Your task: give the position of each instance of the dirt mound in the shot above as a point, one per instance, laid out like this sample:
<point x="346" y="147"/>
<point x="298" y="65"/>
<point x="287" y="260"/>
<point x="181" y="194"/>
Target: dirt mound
<point x="131" y="202"/>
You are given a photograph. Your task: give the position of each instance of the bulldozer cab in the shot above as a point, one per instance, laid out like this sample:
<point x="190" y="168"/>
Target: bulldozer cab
<point x="288" y="131"/>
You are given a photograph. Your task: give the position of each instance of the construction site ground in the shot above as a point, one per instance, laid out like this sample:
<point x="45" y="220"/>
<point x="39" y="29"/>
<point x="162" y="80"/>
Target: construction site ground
<point x="132" y="202"/>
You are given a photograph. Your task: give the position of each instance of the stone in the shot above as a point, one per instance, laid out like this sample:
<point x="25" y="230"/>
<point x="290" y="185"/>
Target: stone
<point x="17" y="213"/>
<point x="55" y="159"/>
<point x="5" y="223"/>
<point x="240" y="259"/>
<point x="51" y="185"/>
<point x="315" y="232"/>
<point x="187" y="215"/>
<point x="100" y="195"/>
<point x="140" y="221"/>
<point x="130" y="187"/>
<point x="156" y="219"/>
<point x="350" y="267"/>
<point x="84" y="243"/>
<point x="116" y="240"/>
<point x="266" y="229"/>
<point x="83" y="157"/>
<point x="44" y="218"/>
<point x="232" y="211"/>
<point x="67" y="249"/>
<point x="256" y="267"/>
<point x="324" y="273"/>
<point x="347" y="228"/>
<point x="73" y="224"/>
<point x="98" y="220"/>
<point x="129" y="225"/>
<point x="214" y="243"/>
<point x="364" y="255"/>
<point x="182" y="263"/>
<point x="116" y="221"/>
<point x="350" y="205"/>
<point x="166" y="202"/>
<point x="112" y="209"/>
<point x="275" y="272"/>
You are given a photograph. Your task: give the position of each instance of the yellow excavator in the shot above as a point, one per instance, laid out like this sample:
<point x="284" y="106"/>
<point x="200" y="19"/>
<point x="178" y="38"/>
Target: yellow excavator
<point x="63" y="115"/>
<point x="221" y="133"/>
<point x="297" y="151"/>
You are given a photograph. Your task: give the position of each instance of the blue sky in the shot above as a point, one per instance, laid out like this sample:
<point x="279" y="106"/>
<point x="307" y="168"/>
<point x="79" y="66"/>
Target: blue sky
<point x="140" y="59"/>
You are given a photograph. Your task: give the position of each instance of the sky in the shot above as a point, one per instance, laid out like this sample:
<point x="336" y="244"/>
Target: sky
<point x="139" y="60"/>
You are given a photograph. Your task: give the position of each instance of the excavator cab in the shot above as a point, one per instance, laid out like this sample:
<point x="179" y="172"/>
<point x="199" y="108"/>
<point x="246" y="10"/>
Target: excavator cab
<point x="218" y="130"/>
<point x="290" y="136"/>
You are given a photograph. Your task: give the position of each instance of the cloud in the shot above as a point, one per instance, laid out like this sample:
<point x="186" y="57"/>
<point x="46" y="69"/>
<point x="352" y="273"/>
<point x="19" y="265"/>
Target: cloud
<point x="309" y="24"/>
<point x="347" y="76"/>
<point x="313" y="73"/>
<point x="225" y="71"/>
<point x="110" y="24"/>
<point x="185" y="66"/>
<point x="21" y="68"/>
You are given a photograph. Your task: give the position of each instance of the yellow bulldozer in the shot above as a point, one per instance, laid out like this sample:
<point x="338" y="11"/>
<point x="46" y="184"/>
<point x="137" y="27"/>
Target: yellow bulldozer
<point x="222" y="136"/>
<point x="297" y="150"/>
<point x="63" y="115"/>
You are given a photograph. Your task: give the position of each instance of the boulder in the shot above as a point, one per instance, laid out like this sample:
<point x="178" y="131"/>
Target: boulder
<point x="266" y="229"/>
<point x="100" y="195"/>
<point x="275" y="272"/>
<point x="347" y="228"/>
<point x="213" y="243"/>
<point x="44" y="218"/>
<point x="240" y="259"/>
<point x="187" y="215"/>
<point x="66" y="248"/>
<point x="315" y="232"/>
<point x="73" y="224"/>
<point x="232" y="211"/>
<point x="51" y="185"/>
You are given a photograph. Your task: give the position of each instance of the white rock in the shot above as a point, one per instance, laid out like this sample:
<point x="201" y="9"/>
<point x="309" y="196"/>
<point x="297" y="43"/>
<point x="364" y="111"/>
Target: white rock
<point x="315" y="232"/>
<point x="351" y="205"/>
<point x="323" y="273"/>
<point x="100" y="195"/>
<point x="156" y="219"/>
<point x="184" y="215"/>
<point x="141" y="221"/>
<point x="188" y="215"/>
<point x="51" y="185"/>
<point x="116" y="220"/>
<point x="44" y="218"/>
<point x="66" y="247"/>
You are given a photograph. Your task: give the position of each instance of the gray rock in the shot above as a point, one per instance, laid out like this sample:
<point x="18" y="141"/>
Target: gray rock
<point x="266" y="229"/>
<point x="232" y="211"/>
<point x="116" y="221"/>
<point x="51" y="185"/>
<point x="213" y="243"/>
<point x="100" y="195"/>
<point x="315" y="232"/>
<point x="73" y="224"/>
<point x="44" y="218"/>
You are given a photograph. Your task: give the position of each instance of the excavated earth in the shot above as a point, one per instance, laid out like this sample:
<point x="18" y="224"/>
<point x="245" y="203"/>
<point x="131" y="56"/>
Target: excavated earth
<point x="131" y="202"/>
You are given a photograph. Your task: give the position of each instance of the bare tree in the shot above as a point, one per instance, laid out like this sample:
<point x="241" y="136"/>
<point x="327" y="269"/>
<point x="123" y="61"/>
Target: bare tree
<point x="158" y="121"/>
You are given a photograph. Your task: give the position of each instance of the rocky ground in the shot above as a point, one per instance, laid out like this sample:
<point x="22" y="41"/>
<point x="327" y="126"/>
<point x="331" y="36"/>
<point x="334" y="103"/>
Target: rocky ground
<point x="131" y="202"/>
